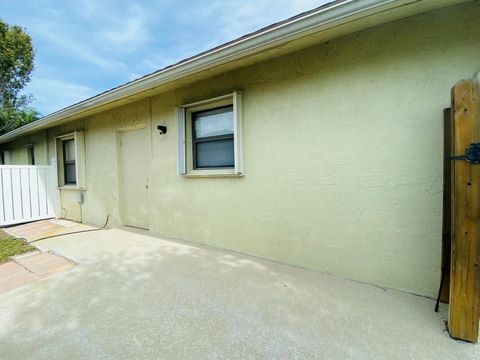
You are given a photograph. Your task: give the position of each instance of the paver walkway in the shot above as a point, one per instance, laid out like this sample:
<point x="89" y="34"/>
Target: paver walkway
<point x="30" y="267"/>
<point x="13" y="275"/>
<point x="27" y="268"/>
<point x="45" y="228"/>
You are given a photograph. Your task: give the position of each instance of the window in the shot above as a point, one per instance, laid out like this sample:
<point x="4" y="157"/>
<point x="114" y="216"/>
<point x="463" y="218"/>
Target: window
<point x="30" y="155"/>
<point x="69" y="163"/>
<point x="210" y="137"/>
<point x="6" y="157"/>
<point x="70" y="159"/>
<point x="213" y="138"/>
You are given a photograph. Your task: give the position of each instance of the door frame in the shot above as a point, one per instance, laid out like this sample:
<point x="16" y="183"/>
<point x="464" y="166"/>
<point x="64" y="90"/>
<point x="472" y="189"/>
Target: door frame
<point x="118" y="170"/>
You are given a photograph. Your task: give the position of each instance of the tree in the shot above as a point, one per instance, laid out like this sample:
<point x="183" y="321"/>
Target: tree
<point x="16" y="64"/>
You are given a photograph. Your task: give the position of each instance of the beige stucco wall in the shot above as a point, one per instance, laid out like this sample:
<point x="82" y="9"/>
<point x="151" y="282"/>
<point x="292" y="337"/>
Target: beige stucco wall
<point x="70" y="208"/>
<point x="343" y="154"/>
<point x="18" y="148"/>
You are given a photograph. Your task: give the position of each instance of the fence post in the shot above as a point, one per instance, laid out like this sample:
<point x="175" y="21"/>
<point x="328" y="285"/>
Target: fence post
<point x="56" y="199"/>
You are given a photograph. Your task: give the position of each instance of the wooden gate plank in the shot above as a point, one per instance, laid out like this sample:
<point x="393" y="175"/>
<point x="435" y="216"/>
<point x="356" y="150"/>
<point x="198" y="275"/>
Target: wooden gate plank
<point x="464" y="308"/>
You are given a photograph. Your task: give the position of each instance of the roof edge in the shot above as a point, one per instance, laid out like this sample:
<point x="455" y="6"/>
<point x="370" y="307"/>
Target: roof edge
<point x="316" y="20"/>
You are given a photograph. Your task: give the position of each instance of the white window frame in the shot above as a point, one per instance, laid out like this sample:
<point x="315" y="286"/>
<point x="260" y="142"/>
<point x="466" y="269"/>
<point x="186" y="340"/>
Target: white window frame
<point x="79" y="138"/>
<point x="185" y="161"/>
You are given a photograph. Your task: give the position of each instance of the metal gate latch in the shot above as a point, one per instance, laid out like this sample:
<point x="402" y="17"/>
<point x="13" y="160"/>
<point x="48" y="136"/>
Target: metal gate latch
<point x="472" y="154"/>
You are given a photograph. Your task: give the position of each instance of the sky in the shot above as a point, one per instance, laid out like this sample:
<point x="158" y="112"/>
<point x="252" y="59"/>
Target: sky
<point x="84" y="47"/>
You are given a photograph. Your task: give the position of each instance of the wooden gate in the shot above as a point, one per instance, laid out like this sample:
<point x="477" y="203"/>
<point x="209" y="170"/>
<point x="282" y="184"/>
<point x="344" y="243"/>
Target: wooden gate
<point x="27" y="193"/>
<point x="464" y="298"/>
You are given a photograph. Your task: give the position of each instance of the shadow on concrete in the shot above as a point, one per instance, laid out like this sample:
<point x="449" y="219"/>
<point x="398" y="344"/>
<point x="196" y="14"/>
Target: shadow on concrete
<point x="134" y="296"/>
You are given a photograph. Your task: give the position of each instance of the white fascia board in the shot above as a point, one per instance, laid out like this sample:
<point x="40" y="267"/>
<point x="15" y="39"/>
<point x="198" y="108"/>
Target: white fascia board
<point x="312" y="22"/>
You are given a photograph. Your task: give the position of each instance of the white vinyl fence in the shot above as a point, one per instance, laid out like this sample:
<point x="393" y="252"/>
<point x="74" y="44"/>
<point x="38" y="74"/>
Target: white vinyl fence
<point x="27" y="193"/>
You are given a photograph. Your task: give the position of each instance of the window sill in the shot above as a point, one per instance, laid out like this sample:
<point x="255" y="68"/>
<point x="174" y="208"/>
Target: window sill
<point x="213" y="173"/>
<point x="70" y="187"/>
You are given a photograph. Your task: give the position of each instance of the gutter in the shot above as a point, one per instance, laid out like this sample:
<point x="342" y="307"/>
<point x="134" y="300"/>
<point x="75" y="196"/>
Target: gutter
<point x="320" y="19"/>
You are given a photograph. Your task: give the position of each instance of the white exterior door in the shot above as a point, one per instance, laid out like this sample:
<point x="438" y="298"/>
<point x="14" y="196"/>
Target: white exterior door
<point x="134" y="160"/>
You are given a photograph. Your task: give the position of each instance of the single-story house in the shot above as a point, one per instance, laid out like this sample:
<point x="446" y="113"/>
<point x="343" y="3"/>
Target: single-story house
<point x="316" y="142"/>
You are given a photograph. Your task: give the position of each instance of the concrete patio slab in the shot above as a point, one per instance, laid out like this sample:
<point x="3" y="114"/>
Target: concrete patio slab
<point x="134" y="296"/>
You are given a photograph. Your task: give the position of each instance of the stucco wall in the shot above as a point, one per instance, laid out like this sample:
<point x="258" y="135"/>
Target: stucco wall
<point x="343" y="154"/>
<point x="70" y="208"/>
<point x="19" y="154"/>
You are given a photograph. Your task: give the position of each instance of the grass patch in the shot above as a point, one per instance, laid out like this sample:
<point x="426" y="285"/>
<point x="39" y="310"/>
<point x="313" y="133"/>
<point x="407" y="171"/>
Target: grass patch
<point x="10" y="246"/>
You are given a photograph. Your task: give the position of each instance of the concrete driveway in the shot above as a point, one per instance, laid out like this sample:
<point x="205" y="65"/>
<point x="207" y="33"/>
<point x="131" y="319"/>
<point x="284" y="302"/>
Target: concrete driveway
<point x="133" y="296"/>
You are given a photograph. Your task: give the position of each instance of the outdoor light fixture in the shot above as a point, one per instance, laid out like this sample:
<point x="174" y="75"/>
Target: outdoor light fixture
<point x="162" y="129"/>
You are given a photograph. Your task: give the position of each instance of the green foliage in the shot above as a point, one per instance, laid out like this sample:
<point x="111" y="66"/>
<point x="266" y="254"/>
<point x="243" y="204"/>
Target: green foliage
<point x="9" y="246"/>
<point x="10" y="120"/>
<point x="16" y="64"/>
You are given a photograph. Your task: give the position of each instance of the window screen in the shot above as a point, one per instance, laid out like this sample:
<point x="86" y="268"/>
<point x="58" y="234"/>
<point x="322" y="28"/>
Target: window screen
<point x="213" y="138"/>
<point x="69" y="162"/>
